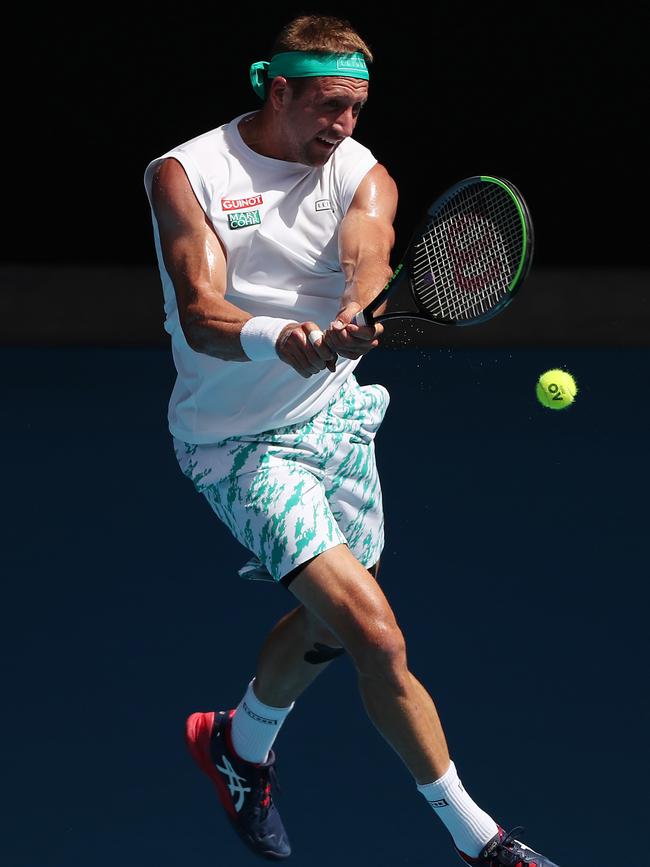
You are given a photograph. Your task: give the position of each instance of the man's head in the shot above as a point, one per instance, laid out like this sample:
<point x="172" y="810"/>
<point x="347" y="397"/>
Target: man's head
<point x="314" y="86"/>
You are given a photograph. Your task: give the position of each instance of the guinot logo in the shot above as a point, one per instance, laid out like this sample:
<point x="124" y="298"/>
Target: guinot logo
<point x="238" y="204"/>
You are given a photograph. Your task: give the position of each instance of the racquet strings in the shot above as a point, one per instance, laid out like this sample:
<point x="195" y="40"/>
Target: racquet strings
<point x="469" y="254"/>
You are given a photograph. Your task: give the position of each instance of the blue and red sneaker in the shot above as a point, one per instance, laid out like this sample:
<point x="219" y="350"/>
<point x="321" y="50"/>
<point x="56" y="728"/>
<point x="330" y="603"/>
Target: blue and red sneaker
<point x="503" y="849"/>
<point x="244" y="788"/>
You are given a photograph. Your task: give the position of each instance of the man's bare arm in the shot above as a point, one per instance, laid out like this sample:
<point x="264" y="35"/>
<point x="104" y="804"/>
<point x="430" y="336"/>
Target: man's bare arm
<point x="366" y="238"/>
<point x="196" y="263"/>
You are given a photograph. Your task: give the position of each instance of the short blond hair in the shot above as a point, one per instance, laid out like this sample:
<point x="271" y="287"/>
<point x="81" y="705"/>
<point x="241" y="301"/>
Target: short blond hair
<point x="322" y="34"/>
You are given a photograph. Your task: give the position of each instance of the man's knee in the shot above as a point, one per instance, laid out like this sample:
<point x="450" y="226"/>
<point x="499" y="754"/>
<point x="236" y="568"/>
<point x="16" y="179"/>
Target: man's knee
<point x="372" y="638"/>
<point x="380" y="651"/>
<point x="346" y="607"/>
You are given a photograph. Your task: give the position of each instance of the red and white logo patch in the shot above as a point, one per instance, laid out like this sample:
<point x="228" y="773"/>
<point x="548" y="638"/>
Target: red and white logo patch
<point x="238" y="204"/>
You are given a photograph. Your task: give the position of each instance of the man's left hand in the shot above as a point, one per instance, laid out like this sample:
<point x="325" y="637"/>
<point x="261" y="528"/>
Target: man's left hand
<point x="348" y="339"/>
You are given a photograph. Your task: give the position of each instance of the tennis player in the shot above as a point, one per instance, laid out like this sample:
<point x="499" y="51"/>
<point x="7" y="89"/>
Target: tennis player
<point x="272" y="232"/>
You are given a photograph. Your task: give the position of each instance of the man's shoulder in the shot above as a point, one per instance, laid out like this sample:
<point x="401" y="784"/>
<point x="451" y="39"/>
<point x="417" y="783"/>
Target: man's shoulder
<point x="352" y="159"/>
<point x="204" y="141"/>
<point x="207" y="143"/>
<point x="202" y="156"/>
<point x="350" y="147"/>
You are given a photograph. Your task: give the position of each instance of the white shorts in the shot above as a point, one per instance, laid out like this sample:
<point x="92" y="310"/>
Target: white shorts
<point x="291" y="493"/>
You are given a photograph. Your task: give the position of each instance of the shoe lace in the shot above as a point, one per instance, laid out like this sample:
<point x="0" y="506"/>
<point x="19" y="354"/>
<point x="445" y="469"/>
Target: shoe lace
<point x="511" y="857"/>
<point x="265" y="799"/>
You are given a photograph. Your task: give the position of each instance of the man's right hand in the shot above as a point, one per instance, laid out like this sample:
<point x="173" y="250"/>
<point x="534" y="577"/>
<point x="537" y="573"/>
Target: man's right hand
<point x="306" y="357"/>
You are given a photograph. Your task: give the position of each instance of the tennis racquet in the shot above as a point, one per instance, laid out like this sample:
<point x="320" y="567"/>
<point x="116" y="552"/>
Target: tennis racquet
<point x="466" y="259"/>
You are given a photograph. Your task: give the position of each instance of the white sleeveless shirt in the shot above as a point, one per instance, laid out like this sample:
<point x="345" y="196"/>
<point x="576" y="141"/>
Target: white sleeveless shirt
<point x="278" y="222"/>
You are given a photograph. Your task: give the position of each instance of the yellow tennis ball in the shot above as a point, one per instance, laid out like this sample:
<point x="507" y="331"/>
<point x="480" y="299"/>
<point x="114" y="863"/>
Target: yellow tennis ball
<point x="556" y="389"/>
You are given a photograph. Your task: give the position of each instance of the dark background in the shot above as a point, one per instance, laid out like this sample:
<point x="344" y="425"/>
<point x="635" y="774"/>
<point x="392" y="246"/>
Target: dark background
<point x="552" y="96"/>
<point x="516" y="537"/>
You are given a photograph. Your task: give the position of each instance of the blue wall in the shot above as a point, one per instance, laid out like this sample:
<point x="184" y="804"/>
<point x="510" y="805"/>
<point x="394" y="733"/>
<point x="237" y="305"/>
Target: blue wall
<point x="515" y="562"/>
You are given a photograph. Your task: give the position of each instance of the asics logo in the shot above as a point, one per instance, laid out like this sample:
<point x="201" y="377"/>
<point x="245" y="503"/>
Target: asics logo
<point x="234" y="782"/>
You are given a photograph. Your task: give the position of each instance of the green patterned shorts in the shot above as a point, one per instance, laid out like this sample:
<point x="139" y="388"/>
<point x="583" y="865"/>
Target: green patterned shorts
<point x="290" y="493"/>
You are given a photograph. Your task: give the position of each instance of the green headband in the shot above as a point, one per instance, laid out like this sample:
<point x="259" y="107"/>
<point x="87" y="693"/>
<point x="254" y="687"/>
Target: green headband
<point x="308" y="64"/>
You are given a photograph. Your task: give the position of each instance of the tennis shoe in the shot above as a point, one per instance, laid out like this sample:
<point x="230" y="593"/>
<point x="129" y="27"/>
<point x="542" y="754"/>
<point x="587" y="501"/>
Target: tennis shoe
<point x="245" y="788"/>
<point x="504" y="850"/>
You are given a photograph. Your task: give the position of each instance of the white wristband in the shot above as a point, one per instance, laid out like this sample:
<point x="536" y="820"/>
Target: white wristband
<point x="259" y="335"/>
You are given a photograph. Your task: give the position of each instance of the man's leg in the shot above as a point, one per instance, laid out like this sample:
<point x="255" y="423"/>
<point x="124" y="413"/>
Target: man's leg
<point x="343" y="596"/>
<point x="297" y="650"/>
<point x="348" y="608"/>
<point x="283" y="673"/>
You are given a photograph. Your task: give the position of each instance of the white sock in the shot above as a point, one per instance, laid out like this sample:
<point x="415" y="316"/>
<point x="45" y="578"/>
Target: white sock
<point x="470" y="826"/>
<point x="255" y="726"/>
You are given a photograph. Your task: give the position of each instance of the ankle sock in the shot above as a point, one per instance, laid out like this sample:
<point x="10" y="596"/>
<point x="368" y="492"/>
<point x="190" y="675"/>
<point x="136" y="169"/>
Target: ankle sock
<point x="470" y="827"/>
<point x="255" y="726"/>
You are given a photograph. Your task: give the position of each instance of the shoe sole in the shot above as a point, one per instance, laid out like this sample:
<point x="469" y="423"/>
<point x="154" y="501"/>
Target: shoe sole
<point x="198" y="736"/>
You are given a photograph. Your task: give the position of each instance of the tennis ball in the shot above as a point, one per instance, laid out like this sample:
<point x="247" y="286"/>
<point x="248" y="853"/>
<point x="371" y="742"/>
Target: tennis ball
<point x="556" y="389"/>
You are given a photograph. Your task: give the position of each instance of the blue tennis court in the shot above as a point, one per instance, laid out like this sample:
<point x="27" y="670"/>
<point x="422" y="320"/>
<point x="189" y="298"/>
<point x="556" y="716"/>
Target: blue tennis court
<point x="516" y="562"/>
